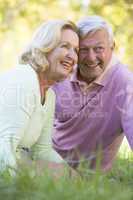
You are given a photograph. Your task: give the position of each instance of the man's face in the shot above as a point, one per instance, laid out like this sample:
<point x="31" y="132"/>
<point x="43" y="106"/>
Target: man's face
<point x="94" y="55"/>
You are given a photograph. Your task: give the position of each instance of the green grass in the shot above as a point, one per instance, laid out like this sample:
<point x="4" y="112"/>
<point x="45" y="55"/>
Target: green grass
<point x="27" y="185"/>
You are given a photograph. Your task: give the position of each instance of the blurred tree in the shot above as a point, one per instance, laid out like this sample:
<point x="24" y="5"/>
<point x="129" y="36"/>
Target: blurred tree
<point x="18" y="18"/>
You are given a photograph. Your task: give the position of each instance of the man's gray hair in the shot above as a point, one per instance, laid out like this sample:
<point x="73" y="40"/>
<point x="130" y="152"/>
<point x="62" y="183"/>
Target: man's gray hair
<point x="92" y="24"/>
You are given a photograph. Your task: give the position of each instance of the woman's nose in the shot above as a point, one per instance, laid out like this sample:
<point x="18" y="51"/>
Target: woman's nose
<point x="73" y="55"/>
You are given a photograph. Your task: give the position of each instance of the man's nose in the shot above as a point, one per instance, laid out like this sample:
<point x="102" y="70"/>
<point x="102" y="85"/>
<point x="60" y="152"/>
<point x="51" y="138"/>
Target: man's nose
<point x="91" y="55"/>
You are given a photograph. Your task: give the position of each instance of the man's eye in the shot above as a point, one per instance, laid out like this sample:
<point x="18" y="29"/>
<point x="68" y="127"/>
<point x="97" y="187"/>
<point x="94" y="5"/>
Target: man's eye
<point x="99" y="49"/>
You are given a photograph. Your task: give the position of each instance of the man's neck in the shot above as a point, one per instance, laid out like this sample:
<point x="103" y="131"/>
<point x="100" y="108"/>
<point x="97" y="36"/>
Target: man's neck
<point x="81" y="78"/>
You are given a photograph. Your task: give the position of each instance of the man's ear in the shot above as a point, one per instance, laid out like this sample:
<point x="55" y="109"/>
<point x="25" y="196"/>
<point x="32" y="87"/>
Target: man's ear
<point x="113" y="45"/>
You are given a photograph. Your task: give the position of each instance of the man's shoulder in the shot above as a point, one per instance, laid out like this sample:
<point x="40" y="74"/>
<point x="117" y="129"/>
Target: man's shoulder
<point x="63" y="85"/>
<point x="123" y="74"/>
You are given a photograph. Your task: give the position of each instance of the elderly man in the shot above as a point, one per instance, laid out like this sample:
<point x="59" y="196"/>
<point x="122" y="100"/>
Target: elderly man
<point x="94" y="108"/>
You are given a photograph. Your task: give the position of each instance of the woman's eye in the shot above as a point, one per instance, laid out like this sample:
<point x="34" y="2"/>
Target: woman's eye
<point x="64" y="46"/>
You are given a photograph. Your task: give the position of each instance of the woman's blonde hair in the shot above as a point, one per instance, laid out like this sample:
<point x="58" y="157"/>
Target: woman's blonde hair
<point x="45" y="39"/>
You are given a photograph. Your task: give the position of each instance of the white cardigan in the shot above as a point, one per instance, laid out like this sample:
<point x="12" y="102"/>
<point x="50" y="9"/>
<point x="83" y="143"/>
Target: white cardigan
<point x="24" y="121"/>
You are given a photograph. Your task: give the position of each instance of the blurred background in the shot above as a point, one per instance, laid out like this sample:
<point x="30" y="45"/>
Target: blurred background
<point x="19" y="18"/>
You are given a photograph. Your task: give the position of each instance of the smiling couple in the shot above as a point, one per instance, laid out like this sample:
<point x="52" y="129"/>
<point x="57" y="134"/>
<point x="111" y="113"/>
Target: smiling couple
<point x="49" y="81"/>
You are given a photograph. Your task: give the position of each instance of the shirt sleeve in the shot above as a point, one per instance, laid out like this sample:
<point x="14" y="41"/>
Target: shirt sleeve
<point x="43" y="148"/>
<point x="15" y="112"/>
<point x="126" y="110"/>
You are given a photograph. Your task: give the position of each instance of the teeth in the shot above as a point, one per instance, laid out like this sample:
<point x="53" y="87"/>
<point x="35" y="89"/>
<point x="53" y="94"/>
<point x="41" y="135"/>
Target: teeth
<point x="68" y="61"/>
<point x="92" y="65"/>
<point x="68" y="64"/>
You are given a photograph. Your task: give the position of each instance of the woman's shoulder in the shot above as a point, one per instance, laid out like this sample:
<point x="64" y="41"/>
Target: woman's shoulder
<point x="21" y="75"/>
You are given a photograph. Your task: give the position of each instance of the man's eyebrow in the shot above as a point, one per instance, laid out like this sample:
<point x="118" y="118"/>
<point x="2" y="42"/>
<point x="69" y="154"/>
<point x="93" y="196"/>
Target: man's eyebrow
<point x="98" y="43"/>
<point x="65" y="41"/>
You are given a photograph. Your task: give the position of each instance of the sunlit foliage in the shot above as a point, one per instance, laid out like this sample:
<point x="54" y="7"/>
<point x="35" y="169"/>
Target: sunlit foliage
<point x="18" y="19"/>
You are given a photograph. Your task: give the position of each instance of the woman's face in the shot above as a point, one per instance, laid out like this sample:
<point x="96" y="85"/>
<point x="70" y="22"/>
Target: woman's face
<point x="63" y="58"/>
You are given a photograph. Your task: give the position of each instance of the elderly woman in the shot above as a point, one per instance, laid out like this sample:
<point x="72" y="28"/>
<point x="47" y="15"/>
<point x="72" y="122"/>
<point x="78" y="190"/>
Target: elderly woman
<point x="26" y="100"/>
